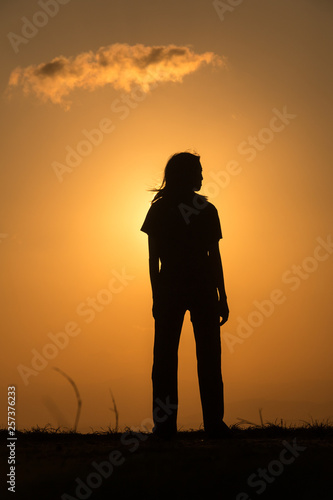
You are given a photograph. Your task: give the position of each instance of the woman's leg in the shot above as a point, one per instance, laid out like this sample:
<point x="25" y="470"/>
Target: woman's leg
<point x="205" y="320"/>
<point x="169" y="317"/>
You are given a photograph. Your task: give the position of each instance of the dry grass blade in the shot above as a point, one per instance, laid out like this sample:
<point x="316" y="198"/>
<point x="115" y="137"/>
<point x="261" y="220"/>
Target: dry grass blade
<point x="78" y="397"/>
<point x="242" y="421"/>
<point x="261" y="419"/>
<point x="115" y="410"/>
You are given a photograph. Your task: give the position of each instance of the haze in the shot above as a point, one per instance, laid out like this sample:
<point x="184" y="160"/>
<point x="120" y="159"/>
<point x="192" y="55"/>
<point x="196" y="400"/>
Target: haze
<point x="95" y="100"/>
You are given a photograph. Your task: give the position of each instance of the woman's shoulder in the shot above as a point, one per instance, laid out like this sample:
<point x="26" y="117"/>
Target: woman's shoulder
<point x="157" y="205"/>
<point x="157" y="208"/>
<point x="202" y="202"/>
<point x="165" y="205"/>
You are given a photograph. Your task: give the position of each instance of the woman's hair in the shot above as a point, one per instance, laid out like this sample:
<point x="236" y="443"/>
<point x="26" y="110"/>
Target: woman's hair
<point x="180" y="176"/>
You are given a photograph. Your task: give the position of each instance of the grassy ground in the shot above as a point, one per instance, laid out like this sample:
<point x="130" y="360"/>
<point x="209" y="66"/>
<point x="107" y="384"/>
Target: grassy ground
<point x="270" y="462"/>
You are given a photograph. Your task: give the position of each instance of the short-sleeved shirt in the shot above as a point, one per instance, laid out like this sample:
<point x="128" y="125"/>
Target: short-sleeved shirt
<point x="184" y="232"/>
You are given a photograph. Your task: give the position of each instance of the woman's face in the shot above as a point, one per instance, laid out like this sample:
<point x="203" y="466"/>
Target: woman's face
<point x="198" y="179"/>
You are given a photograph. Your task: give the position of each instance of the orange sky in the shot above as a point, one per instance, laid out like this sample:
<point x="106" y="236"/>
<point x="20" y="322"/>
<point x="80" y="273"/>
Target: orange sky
<point x="82" y="143"/>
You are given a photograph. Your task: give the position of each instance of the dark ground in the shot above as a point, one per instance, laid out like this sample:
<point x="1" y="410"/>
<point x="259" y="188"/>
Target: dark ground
<point x="256" y="463"/>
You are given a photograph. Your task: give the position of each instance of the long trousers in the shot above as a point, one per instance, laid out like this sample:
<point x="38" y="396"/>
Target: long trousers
<point x="169" y="310"/>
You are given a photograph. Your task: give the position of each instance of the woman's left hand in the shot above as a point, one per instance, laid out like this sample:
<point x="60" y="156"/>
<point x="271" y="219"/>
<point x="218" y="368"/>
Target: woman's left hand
<point x="223" y="311"/>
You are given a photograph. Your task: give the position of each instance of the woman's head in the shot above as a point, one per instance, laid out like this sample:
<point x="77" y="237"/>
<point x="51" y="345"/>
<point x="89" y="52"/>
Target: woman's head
<point x="182" y="175"/>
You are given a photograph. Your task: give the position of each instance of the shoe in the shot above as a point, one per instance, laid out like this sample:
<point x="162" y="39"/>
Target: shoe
<point x="220" y="432"/>
<point x="163" y="433"/>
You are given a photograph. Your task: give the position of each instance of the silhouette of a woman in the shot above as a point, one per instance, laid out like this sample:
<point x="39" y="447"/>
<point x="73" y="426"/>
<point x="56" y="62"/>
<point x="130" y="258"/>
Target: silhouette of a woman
<point x="186" y="274"/>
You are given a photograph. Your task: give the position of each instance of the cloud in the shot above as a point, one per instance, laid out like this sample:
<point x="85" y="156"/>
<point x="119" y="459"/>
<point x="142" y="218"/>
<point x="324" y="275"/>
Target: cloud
<point x="120" y="65"/>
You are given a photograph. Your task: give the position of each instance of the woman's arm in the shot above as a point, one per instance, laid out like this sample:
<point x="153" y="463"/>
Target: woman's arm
<point x="154" y="265"/>
<point x="216" y="263"/>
